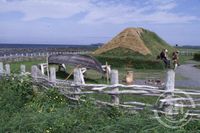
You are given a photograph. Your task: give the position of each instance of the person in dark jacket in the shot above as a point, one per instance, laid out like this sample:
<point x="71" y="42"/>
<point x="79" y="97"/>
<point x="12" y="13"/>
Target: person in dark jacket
<point x="164" y="58"/>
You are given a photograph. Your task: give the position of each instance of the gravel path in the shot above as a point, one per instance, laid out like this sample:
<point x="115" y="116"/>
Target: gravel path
<point x="191" y="73"/>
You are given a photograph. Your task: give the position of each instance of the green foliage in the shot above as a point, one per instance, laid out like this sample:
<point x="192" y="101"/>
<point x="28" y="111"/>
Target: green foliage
<point x="155" y="43"/>
<point x="197" y="56"/>
<point x="26" y="108"/>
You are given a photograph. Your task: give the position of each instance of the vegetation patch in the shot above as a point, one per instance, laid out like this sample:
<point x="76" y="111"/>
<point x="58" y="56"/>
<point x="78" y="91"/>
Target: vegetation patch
<point x="25" y="108"/>
<point x="137" y="62"/>
<point x="197" y="56"/>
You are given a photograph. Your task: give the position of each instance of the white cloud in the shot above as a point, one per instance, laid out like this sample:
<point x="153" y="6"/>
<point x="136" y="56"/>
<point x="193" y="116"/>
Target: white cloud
<point x="154" y="11"/>
<point x="35" y="9"/>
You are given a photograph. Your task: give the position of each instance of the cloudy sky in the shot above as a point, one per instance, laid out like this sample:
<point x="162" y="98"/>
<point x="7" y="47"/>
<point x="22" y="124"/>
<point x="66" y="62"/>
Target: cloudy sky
<point x="94" y="21"/>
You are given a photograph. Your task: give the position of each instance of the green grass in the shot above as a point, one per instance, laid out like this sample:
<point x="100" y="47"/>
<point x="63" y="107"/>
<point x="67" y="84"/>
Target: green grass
<point x="15" y="66"/>
<point x="23" y="109"/>
<point x="137" y="62"/>
<point x="154" y="43"/>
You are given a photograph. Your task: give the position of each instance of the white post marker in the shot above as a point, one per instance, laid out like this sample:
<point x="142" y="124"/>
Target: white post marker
<point x="1" y="69"/>
<point x="169" y="90"/>
<point x="23" y="69"/>
<point x="34" y="72"/>
<point x="78" y="79"/>
<point x="115" y="81"/>
<point x="53" y="74"/>
<point x="7" y="67"/>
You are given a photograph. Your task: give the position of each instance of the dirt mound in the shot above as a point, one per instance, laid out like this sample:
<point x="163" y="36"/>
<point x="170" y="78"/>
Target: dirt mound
<point x="130" y="38"/>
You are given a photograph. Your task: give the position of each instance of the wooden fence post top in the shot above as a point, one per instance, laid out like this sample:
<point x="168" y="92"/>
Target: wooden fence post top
<point x="1" y="67"/>
<point x="114" y="81"/>
<point x="34" y="71"/>
<point x="170" y="80"/>
<point x="78" y="76"/>
<point x="7" y="68"/>
<point x="114" y="77"/>
<point x="23" y="69"/>
<point x="52" y="74"/>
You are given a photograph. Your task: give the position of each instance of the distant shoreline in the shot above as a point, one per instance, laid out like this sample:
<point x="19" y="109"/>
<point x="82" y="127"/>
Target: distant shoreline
<point x="44" y="46"/>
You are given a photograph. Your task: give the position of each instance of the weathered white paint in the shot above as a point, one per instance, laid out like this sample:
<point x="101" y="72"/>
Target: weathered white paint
<point x="169" y="90"/>
<point x="1" y="68"/>
<point x="115" y="81"/>
<point x="7" y="68"/>
<point x="23" y="69"/>
<point x="53" y="74"/>
<point x="78" y="76"/>
<point x="34" y="70"/>
<point x="170" y="81"/>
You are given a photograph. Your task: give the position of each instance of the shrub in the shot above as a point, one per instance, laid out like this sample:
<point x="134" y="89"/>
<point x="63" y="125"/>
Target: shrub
<point x="197" y="56"/>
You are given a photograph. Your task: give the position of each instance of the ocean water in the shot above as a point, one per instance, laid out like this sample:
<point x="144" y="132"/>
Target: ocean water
<point x="42" y="46"/>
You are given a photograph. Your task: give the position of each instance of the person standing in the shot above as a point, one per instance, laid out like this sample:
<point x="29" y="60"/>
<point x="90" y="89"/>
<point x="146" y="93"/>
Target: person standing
<point x="175" y="58"/>
<point x="164" y="57"/>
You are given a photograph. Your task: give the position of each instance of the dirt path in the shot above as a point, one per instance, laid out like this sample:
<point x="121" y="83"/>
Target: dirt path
<point x="190" y="73"/>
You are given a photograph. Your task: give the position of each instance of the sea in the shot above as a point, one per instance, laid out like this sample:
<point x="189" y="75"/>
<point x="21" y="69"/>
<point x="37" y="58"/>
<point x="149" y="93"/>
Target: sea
<point x="44" y="46"/>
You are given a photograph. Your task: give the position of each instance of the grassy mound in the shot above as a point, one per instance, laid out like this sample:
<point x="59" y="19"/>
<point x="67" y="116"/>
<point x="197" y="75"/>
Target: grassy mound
<point x="122" y="56"/>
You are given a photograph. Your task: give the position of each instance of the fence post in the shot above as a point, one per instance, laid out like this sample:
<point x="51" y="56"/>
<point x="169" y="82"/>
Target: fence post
<point x="78" y="76"/>
<point x="115" y="81"/>
<point x="53" y="74"/>
<point x="7" y="67"/>
<point x="169" y="90"/>
<point x="1" y="69"/>
<point x="34" y="72"/>
<point x="78" y="79"/>
<point x="23" y="69"/>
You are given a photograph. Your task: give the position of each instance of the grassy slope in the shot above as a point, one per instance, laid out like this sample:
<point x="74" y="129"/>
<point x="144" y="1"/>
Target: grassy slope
<point x="155" y="43"/>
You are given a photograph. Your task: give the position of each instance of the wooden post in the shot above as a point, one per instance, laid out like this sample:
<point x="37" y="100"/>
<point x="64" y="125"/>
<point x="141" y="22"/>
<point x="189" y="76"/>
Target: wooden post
<point x="1" y="69"/>
<point x="78" y="76"/>
<point x="78" y="79"/>
<point x="34" y="72"/>
<point x="23" y="69"/>
<point x="47" y="61"/>
<point x="129" y="78"/>
<point x="115" y="81"/>
<point x="53" y="74"/>
<point x="169" y="90"/>
<point x="7" y="67"/>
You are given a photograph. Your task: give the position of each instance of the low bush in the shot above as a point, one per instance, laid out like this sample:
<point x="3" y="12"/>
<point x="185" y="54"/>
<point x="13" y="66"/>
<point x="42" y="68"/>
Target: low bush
<point x="197" y="56"/>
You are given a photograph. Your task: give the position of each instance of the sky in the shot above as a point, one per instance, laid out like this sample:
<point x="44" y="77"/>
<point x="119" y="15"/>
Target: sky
<point x="97" y="21"/>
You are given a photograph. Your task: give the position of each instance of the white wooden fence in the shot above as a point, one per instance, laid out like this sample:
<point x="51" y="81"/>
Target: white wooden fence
<point x="73" y="90"/>
<point x="42" y="54"/>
